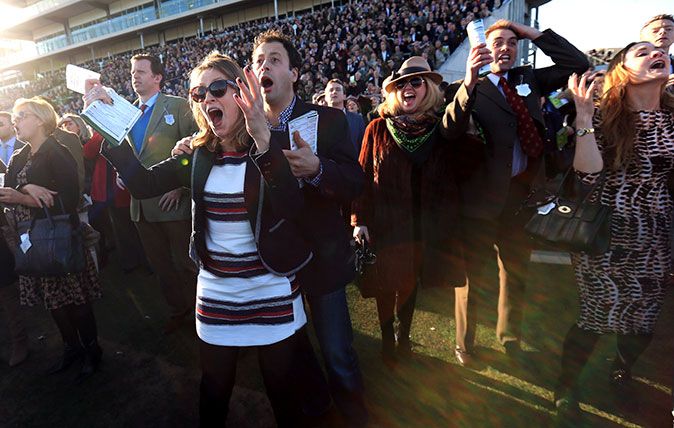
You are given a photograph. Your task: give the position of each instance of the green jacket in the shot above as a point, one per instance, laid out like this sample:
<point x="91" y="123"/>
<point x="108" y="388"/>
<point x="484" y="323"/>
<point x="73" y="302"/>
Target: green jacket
<point x="171" y="121"/>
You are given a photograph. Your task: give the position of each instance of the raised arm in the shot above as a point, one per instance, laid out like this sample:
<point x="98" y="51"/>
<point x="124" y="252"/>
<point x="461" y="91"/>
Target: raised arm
<point x="566" y="57"/>
<point x="144" y="183"/>
<point x="457" y="113"/>
<point x="588" y="157"/>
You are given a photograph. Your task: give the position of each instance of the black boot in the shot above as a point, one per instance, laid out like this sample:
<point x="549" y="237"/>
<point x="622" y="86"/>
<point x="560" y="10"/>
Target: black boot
<point x="625" y="396"/>
<point x="92" y="359"/>
<point x="70" y="355"/>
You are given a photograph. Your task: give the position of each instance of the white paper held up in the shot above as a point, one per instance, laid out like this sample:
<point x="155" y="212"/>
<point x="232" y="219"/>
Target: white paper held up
<point x="76" y="77"/>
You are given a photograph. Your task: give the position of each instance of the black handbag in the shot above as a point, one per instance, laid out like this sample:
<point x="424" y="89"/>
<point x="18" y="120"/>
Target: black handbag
<point x="50" y="246"/>
<point x="366" y="268"/>
<point x="575" y="224"/>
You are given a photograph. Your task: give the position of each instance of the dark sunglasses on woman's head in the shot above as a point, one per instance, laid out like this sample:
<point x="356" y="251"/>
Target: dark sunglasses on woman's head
<point x="415" y="82"/>
<point x="217" y="88"/>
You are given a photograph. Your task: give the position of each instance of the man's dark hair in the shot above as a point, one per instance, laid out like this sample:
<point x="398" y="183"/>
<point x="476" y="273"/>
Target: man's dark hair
<point x="155" y="65"/>
<point x="275" y="35"/>
<point x="663" y="16"/>
<point x="337" y="81"/>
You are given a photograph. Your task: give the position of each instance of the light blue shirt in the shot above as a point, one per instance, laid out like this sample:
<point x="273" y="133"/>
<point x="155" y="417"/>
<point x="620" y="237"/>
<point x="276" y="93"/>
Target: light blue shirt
<point x="6" y="149"/>
<point x="520" y="159"/>
<point x="137" y="133"/>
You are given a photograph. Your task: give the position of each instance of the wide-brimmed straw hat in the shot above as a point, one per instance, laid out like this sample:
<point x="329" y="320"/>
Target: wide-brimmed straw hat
<point x="413" y="66"/>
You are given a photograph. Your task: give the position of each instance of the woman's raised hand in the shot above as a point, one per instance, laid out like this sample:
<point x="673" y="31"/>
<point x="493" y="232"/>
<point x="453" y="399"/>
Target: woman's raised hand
<point x="249" y="99"/>
<point x="582" y="96"/>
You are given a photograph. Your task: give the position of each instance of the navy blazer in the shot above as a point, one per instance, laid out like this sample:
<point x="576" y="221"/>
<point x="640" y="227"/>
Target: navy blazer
<point x="356" y="129"/>
<point x="272" y="196"/>
<point x="322" y="224"/>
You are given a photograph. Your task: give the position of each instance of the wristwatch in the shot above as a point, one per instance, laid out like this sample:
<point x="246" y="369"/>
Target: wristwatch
<point x="584" y="131"/>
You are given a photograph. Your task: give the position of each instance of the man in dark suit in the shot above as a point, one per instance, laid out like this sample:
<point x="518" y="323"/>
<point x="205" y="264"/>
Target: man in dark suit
<point x="505" y="105"/>
<point x="335" y="96"/>
<point x="330" y="176"/>
<point x="8" y="142"/>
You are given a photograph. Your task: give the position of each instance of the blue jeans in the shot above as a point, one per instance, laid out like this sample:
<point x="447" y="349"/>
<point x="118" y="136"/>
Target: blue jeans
<point x="332" y="323"/>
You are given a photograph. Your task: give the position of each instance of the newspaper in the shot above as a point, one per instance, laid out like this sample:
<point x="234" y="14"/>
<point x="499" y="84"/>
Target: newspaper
<point x="112" y="121"/>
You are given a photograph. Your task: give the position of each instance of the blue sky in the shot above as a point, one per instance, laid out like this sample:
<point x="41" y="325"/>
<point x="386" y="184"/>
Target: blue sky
<point x="599" y="23"/>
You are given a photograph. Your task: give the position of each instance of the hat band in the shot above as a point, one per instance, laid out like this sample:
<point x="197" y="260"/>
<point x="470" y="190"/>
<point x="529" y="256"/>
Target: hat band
<point x="409" y="70"/>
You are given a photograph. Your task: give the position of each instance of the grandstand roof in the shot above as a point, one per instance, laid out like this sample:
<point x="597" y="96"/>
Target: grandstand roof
<point x="57" y="13"/>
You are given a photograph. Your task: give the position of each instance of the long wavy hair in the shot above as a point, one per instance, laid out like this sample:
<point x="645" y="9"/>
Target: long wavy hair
<point x="618" y="119"/>
<point x="205" y="136"/>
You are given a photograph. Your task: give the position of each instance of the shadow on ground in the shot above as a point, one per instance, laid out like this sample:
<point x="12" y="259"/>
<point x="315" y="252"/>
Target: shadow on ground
<point x="149" y="379"/>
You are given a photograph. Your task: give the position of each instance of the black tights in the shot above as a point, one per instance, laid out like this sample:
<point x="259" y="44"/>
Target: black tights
<point x="218" y="374"/>
<point x="77" y="324"/>
<point x="399" y="303"/>
<point x="578" y="346"/>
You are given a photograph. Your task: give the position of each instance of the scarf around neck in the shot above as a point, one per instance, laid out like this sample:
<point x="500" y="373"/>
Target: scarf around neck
<point x="413" y="134"/>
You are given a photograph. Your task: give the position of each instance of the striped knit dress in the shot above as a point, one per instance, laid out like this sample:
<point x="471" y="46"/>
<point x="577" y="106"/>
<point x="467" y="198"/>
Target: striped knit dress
<point x="239" y="302"/>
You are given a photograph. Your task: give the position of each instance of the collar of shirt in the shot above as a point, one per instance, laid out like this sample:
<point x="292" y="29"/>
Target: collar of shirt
<point x="9" y="142"/>
<point x="494" y="78"/>
<point x="284" y="117"/>
<point x="149" y="103"/>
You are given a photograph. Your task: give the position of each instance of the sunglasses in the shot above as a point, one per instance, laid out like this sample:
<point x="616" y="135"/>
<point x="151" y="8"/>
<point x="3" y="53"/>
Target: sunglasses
<point x="415" y="82"/>
<point x="217" y="88"/>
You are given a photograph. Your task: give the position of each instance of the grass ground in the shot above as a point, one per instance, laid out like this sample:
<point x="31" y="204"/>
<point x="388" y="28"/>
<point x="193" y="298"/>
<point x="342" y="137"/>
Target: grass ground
<point x="151" y="380"/>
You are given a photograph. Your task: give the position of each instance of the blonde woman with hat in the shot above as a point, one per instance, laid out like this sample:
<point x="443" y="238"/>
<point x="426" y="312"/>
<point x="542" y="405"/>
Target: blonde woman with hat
<point x="408" y="208"/>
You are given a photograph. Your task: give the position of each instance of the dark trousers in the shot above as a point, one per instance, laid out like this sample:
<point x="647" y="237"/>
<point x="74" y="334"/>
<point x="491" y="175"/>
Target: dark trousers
<point x="578" y="347"/>
<point x="218" y="367"/>
<point x="166" y="246"/>
<point x="400" y="303"/>
<point x="115" y="226"/>
<point x="502" y="240"/>
<point x="332" y="324"/>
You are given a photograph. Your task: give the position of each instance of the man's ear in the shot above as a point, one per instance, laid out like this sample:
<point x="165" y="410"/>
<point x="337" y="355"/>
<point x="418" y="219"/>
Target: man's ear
<point x="294" y="74"/>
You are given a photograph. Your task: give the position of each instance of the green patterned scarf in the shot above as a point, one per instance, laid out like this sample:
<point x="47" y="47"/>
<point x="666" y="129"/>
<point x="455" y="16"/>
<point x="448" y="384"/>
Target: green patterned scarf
<point x="413" y="135"/>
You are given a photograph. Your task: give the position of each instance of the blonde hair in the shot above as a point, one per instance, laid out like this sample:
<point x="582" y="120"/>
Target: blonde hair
<point x="617" y="118"/>
<point x="40" y="108"/>
<point x="85" y="132"/>
<point x="206" y="137"/>
<point x="501" y="24"/>
<point x="430" y="105"/>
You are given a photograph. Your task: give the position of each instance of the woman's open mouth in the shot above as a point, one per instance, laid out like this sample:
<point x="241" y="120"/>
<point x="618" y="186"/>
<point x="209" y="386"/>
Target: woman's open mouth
<point x="215" y="115"/>
<point x="658" y="65"/>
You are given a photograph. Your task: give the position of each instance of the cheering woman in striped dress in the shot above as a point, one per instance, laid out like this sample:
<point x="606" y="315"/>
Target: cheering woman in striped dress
<point x="248" y="249"/>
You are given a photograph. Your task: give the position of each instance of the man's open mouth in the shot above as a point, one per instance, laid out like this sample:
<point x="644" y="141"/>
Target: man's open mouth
<point x="266" y="82"/>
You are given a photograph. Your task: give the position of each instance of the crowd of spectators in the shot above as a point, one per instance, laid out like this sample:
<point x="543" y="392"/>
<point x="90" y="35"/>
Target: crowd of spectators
<point x="359" y="43"/>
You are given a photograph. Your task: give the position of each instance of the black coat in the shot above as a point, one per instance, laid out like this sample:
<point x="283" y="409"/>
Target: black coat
<point x="322" y="224"/>
<point x="53" y="167"/>
<point x="271" y="194"/>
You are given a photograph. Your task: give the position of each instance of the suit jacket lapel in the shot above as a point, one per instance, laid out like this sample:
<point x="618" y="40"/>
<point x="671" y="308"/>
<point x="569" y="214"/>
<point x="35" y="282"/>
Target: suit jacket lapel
<point x="157" y="114"/>
<point x="490" y="91"/>
<point x="203" y="163"/>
